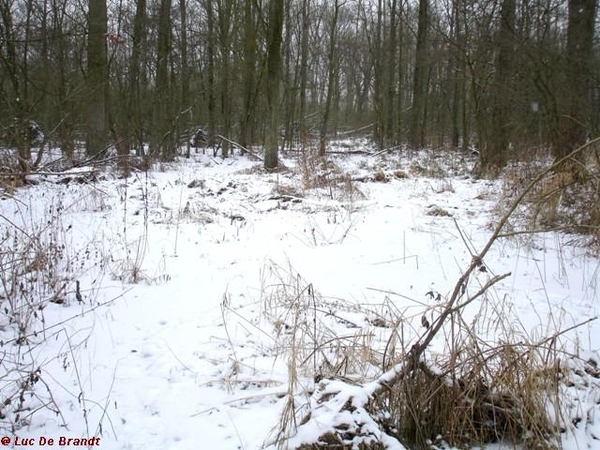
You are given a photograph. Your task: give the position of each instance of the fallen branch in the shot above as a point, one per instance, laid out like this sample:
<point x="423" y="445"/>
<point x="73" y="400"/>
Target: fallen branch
<point x="385" y="150"/>
<point x="240" y="146"/>
<point x="334" y="152"/>
<point x="356" y="130"/>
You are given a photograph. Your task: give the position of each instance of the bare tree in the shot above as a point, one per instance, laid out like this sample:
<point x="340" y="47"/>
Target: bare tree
<point x="417" y="125"/>
<point x="185" y="73"/>
<point x="580" y="40"/>
<point x="275" y="28"/>
<point x="97" y="78"/>
<point x="305" y="14"/>
<point x="163" y="139"/>
<point x="494" y="153"/>
<point x="137" y="76"/>
<point x="331" y="76"/>
<point x="249" y="70"/>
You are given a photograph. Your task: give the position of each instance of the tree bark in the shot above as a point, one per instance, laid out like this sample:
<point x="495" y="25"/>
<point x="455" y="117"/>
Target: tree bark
<point x="494" y="154"/>
<point x="185" y="73"/>
<point x="210" y="49"/>
<point x="134" y="103"/>
<point x="575" y="121"/>
<point x="163" y="139"/>
<point x="303" y="129"/>
<point x="249" y="83"/>
<point x="417" y="128"/>
<point x="331" y="78"/>
<point x="97" y="79"/>
<point x="275" y="28"/>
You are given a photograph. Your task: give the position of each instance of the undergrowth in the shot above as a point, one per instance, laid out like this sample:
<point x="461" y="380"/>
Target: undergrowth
<point x="471" y="392"/>
<point x="47" y="263"/>
<point x="564" y="200"/>
<point x="384" y="384"/>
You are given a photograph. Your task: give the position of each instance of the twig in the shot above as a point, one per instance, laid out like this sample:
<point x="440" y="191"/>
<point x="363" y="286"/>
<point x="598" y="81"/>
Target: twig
<point x="481" y="291"/>
<point x="345" y="133"/>
<point x="241" y="147"/>
<point x="385" y="150"/>
<point x="81" y="397"/>
<point x="179" y="360"/>
<point x="105" y="408"/>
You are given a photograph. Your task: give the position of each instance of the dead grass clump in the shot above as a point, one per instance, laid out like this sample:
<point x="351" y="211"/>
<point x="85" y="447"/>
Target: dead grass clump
<point x="444" y="185"/>
<point x="324" y="173"/>
<point x="428" y="167"/>
<point x="332" y="441"/>
<point x="380" y="177"/>
<point x="567" y="198"/>
<point x="437" y="211"/>
<point x="321" y="334"/>
<point x="562" y="199"/>
<point x="39" y="267"/>
<point x="476" y="397"/>
<point x="287" y="190"/>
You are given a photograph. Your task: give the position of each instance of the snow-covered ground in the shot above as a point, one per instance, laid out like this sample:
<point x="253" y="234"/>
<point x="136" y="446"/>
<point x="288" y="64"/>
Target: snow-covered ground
<point x="173" y="339"/>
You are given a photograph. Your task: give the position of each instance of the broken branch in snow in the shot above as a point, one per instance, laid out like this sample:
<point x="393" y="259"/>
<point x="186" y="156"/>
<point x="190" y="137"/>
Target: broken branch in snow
<point x="346" y="133"/>
<point x="240" y="146"/>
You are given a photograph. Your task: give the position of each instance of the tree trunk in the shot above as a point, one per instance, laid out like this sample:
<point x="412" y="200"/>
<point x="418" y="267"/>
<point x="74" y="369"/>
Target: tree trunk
<point x="185" y="75"/>
<point x="378" y="77"/>
<point x="494" y="153"/>
<point x="225" y="12"/>
<point x="303" y="129"/>
<point x="417" y="128"/>
<point x="212" y="111"/>
<point x="575" y="121"/>
<point x="134" y="103"/>
<point x="97" y="79"/>
<point x="331" y="76"/>
<point x="275" y="28"/>
<point x="163" y="140"/>
<point x="249" y="83"/>
<point x="391" y="76"/>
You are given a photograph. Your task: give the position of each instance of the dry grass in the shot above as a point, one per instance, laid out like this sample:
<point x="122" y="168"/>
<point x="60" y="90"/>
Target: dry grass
<point x="567" y="200"/>
<point x="501" y="387"/>
<point x="474" y="393"/>
<point x="324" y="174"/>
<point x="313" y="329"/>
<point x="39" y="266"/>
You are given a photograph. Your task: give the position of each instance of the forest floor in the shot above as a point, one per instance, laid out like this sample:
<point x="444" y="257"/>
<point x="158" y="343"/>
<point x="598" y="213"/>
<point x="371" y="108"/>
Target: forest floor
<point x="171" y="290"/>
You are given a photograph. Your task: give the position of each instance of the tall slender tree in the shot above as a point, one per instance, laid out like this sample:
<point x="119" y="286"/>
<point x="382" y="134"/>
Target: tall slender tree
<point x="274" y="39"/>
<point x="249" y="78"/>
<point x="580" y="40"/>
<point x="417" y="120"/>
<point x="136" y="77"/>
<point x="494" y="152"/>
<point x="186" y="102"/>
<point x="97" y="78"/>
<point x="303" y="129"/>
<point x="331" y="76"/>
<point x="163" y="139"/>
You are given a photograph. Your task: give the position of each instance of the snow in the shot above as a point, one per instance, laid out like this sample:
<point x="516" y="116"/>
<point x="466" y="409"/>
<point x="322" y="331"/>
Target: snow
<point x="181" y="339"/>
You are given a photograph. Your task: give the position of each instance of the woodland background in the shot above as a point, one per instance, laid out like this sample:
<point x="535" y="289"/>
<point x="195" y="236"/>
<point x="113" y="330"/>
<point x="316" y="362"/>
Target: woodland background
<point x="504" y="77"/>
